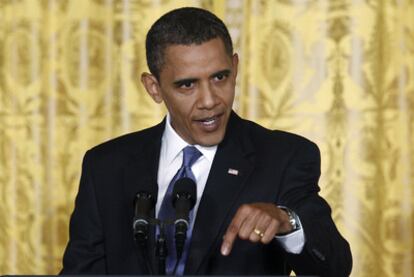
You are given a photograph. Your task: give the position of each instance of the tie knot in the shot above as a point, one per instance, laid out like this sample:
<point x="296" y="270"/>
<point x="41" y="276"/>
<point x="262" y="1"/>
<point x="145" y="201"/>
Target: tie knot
<point x="190" y="156"/>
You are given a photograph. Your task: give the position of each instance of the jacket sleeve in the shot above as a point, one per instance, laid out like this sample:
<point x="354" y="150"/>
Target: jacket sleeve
<point x="84" y="253"/>
<point x="326" y="252"/>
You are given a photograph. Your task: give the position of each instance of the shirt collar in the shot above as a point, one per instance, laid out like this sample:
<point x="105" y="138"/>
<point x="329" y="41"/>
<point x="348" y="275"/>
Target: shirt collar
<point x="174" y="144"/>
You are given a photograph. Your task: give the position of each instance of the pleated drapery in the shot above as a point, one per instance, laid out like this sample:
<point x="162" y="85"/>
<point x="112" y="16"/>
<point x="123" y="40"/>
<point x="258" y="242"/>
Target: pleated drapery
<point x="340" y="72"/>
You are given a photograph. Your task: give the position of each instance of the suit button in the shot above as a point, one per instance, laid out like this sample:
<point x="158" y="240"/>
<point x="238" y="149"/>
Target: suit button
<point x="318" y="254"/>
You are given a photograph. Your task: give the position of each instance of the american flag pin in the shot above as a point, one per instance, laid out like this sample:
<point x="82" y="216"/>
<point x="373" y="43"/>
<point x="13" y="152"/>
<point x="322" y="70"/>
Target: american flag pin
<point x="233" y="171"/>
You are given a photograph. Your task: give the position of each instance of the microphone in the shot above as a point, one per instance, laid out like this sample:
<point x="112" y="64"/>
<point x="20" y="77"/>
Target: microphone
<point x="144" y="202"/>
<point x="184" y="199"/>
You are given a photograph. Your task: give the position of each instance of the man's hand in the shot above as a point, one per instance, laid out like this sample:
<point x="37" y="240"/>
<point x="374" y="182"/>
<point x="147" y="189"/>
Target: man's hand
<point x="256" y="222"/>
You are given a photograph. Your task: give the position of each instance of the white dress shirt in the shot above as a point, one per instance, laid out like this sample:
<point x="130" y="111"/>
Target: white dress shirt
<point x="171" y="158"/>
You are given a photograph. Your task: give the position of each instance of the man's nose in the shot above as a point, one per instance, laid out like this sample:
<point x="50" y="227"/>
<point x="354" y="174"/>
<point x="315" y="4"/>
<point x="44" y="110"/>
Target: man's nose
<point x="208" y="98"/>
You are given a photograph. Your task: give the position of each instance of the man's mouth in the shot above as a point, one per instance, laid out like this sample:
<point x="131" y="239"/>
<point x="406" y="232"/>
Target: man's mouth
<point x="210" y="123"/>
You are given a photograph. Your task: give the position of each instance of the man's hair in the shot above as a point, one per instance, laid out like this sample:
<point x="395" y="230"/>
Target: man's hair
<point x="184" y="26"/>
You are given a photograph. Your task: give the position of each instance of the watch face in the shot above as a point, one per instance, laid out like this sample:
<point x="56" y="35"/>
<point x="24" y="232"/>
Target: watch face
<point x="294" y="223"/>
<point x="293" y="218"/>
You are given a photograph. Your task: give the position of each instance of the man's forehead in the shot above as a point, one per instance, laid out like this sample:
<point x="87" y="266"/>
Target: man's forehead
<point x="205" y="58"/>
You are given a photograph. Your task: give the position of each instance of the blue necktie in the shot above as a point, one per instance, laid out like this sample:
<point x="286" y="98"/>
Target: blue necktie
<point x="190" y="156"/>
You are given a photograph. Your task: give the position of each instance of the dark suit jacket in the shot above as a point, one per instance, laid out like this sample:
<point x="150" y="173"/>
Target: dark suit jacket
<point x="274" y="166"/>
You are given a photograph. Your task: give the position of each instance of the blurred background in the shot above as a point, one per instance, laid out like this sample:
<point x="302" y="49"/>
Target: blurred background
<point x="340" y="72"/>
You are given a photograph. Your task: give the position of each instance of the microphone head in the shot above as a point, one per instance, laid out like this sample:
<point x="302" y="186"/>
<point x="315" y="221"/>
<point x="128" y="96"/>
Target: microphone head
<point x="145" y="196"/>
<point x="145" y="199"/>
<point x="185" y="188"/>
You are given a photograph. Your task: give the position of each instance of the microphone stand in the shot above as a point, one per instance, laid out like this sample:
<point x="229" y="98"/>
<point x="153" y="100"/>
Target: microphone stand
<point x="141" y="239"/>
<point x="161" y="250"/>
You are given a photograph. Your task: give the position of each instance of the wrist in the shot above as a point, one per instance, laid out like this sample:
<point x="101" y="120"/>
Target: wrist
<point x="292" y="222"/>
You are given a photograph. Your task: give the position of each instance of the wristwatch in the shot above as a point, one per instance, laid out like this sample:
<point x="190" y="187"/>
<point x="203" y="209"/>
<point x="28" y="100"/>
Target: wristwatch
<point x="293" y="219"/>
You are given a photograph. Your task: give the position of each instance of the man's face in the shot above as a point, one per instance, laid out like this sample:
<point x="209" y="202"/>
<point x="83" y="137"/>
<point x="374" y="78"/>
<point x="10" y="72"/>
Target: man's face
<point x="197" y="84"/>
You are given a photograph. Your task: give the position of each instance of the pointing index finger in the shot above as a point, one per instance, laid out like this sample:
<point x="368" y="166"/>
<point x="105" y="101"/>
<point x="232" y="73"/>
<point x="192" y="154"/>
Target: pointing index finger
<point x="231" y="233"/>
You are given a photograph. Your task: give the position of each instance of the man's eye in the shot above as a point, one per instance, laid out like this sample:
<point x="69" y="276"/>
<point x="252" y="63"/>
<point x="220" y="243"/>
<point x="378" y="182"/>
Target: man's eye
<point x="220" y="77"/>
<point x="187" y="85"/>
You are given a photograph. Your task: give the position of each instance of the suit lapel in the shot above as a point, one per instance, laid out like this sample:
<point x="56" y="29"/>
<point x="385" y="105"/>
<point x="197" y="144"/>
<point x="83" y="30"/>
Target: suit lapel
<point x="141" y="171"/>
<point x="231" y="167"/>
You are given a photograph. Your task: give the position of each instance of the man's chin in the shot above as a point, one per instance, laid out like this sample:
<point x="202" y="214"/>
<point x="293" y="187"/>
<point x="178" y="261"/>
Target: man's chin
<point x="209" y="140"/>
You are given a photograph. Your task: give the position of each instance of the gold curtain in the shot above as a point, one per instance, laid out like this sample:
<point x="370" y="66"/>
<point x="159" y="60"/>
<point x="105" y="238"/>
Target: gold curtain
<point x="340" y="72"/>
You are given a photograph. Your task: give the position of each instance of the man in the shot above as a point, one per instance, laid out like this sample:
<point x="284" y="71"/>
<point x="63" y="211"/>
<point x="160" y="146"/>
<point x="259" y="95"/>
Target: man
<point x="258" y="210"/>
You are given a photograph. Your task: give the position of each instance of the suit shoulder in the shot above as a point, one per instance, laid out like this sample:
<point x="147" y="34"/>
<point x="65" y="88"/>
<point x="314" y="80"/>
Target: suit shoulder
<point x="266" y="137"/>
<point x="128" y="142"/>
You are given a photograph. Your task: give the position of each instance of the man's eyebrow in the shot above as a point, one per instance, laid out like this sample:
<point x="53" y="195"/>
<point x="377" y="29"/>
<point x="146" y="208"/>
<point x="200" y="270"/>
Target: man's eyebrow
<point x="192" y="80"/>
<point x="221" y="72"/>
<point x="183" y="81"/>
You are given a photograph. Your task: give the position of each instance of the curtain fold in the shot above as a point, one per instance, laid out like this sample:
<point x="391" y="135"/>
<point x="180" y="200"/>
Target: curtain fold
<point x="340" y="72"/>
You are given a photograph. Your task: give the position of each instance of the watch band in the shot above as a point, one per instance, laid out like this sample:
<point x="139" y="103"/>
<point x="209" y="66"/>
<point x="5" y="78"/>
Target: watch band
<point x="293" y="219"/>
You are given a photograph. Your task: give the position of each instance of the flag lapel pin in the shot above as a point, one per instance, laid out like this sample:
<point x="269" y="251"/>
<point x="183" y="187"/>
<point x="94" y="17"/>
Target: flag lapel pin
<point x="233" y="171"/>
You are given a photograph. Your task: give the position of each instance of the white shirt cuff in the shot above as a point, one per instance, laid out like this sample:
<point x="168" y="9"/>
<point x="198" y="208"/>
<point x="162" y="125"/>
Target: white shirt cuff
<point x="293" y="242"/>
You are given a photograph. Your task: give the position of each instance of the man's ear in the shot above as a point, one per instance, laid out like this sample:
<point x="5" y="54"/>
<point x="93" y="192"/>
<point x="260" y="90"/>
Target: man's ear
<point x="152" y="86"/>
<point x="235" y="64"/>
